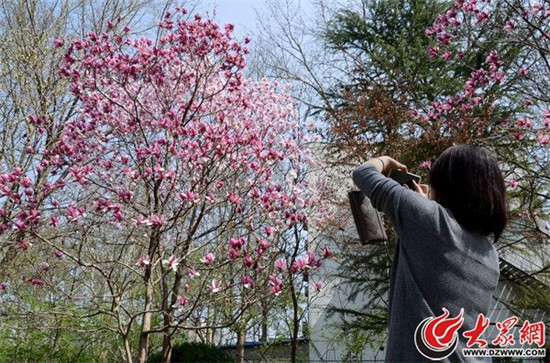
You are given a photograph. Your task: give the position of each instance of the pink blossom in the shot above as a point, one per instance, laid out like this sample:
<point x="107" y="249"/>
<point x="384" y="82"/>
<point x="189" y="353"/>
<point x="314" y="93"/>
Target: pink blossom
<point x="318" y="286"/>
<point x="193" y="273"/>
<point x="172" y="262"/>
<point x="543" y="138"/>
<point x="58" y="43"/>
<point x="524" y="214"/>
<point x="229" y="28"/>
<point x="444" y="38"/>
<point x="268" y="230"/>
<point x="510" y="25"/>
<point x="234" y="198"/>
<point x="312" y="260"/>
<point x="190" y="196"/>
<point x="426" y="164"/>
<point x="125" y="195"/>
<point x="327" y="253"/>
<point x="484" y="15"/>
<point x="3" y="286"/>
<point x="280" y="264"/>
<point x="497" y="77"/>
<point x="118" y="216"/>
<point x="181" y="301"/>
<point x="433" y="52"/>
<point x="215" y="286"/>
<point x="525" y="122"/>
<point x="75" y="213"/>
<point x="234" y="254"/>
<point x="29" y="192"/>
<point x="519" y="135"/>
<point x="264" y="245"/>
<point x="23" y="245"/>
<point x="276" y="285"/>
<point x="45" y="266"/>
<point x="536" y="8"/>
<point x="26" y="182"/>
<point x="144" y="260"/>
<point x="546" y="120"/>
<point x="58" y="254"/>
<point x="248" y="261"/>
<point x="36" y="281"/>
<point x="156" y="220"/>
<point x="208" y="259"/>
<point x="237" y="242"/>
<point x="54" y="220"/>
<point x="247" y="282"/>
<point x="19" y="226"/>
<point x="523" y="71"/>
<point x="299" y="265"/>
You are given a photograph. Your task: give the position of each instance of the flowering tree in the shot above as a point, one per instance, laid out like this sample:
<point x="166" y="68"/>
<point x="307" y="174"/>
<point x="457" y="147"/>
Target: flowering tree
<point x="170" y="184"/>
<point x="30" y="85"/>
<point x="525" y="135"/>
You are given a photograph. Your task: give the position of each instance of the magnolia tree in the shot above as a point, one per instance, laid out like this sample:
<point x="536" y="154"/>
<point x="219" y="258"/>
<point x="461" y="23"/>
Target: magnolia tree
<point x="170" y="186"/>
<point x="523" y="136"/>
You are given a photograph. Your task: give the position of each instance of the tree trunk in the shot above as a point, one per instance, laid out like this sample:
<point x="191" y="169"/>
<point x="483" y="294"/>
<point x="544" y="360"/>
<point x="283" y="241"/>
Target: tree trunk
<point x="295" y="305"/>
<point x="127" y="350"/>
<point x="167" y="345"/>
<point x="146" y="324"/>
<point x="147" y="311"/>
<point x="241" y="335"/>
<point x="170" y="300"/>
<point x="265" y="316"/>
<point x="295" y="325"/>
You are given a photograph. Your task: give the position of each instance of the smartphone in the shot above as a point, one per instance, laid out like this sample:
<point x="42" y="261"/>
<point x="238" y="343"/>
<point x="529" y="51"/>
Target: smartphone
<point x="405" y="178"/>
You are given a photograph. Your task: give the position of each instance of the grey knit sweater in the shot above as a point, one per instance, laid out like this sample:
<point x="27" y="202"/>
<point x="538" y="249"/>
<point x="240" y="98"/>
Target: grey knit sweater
<point x="437" y="264"/>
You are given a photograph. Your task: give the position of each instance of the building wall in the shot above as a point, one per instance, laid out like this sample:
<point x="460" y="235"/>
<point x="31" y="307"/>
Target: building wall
<point x="329" y="342"/>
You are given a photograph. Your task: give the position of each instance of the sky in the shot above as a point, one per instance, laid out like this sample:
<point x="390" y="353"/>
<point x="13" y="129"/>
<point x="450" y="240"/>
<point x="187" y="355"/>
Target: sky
<point x="241" y="13"/>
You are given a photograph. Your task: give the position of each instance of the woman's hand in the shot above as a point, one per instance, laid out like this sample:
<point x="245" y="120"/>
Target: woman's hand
<point x="385" y="164"/>
<point x="423" y="189"/>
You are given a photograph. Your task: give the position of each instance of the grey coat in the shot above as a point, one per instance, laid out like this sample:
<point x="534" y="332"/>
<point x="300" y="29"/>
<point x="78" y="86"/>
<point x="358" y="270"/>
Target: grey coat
<point x="437" y="264"/>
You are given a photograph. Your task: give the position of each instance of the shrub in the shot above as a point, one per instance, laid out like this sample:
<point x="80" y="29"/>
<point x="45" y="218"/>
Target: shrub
<point x="194" y="353"/>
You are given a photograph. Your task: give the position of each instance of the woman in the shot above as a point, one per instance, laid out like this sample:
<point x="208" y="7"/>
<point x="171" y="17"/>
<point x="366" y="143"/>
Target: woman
<point x="444" y="258"/>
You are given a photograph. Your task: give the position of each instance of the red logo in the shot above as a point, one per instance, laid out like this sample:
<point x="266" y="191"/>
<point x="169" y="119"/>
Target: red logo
<point x="532" y="333"/>
<point x="504" y="339"/>
<point x="437" y="337"/>
<point x="474" y="335"/>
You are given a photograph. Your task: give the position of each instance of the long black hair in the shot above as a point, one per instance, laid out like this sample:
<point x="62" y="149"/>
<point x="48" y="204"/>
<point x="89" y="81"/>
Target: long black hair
<point x="467" y="180"/>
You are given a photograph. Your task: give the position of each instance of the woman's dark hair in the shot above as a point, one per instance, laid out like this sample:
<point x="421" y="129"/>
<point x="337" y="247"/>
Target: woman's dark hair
<point x="467" y="180"/>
